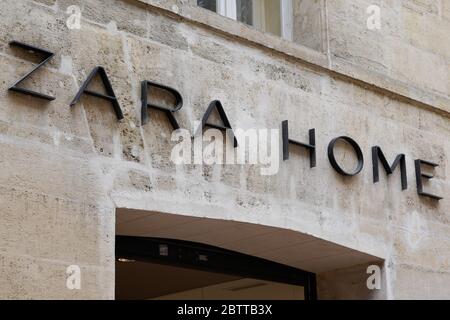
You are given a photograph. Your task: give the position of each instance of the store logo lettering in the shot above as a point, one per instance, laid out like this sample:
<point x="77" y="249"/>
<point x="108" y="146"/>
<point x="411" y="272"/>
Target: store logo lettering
<point x="310" y="146"/>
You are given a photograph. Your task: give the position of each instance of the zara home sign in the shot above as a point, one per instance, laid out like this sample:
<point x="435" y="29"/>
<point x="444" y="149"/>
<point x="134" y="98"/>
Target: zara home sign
<point x="377" y="153"/>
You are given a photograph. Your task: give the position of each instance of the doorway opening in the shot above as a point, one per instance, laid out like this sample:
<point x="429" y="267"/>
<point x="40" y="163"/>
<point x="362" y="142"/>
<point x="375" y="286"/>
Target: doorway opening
<point x="169" y="256"/>
<point x="168" y="269"/>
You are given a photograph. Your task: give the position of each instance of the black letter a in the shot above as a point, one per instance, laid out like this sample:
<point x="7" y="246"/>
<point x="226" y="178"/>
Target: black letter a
<point x="110" y="96"/>
<point x="216" y="104"/>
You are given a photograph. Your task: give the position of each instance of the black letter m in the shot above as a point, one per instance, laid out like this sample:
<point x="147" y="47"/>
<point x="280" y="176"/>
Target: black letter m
<point x="377" y="153"/>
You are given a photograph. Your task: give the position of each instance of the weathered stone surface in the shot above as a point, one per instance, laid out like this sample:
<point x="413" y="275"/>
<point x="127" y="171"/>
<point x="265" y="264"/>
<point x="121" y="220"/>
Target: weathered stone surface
<point x="65" y="169"/>
<point x="308" y="23"/>
<point x="411" y="38"/>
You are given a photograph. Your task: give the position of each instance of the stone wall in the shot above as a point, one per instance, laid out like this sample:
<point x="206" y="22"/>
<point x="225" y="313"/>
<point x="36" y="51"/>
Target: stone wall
<point x="410" y="47"/>
<point x="65" y="169"/>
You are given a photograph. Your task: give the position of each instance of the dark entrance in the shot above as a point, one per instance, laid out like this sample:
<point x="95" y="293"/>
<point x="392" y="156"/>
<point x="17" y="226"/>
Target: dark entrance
<point x="154" y="268"/>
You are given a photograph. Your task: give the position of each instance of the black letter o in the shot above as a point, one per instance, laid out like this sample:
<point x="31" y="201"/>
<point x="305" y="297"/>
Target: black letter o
<point x="355" y="147"/>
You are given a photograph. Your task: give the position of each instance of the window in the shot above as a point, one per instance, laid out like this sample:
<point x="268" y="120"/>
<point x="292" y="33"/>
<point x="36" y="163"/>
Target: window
<point x="273" y="16"/>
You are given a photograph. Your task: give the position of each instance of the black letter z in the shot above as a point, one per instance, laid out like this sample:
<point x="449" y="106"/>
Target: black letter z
<point x="47" y="56"/>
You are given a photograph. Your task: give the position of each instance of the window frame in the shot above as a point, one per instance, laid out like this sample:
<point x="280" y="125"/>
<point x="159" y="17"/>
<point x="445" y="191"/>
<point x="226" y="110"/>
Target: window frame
<point x="287" y="20"/>
<point x="228" y="8"/>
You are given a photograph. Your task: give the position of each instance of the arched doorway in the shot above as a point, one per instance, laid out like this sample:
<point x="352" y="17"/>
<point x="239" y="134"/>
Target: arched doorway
<point x="216" y="255"/>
